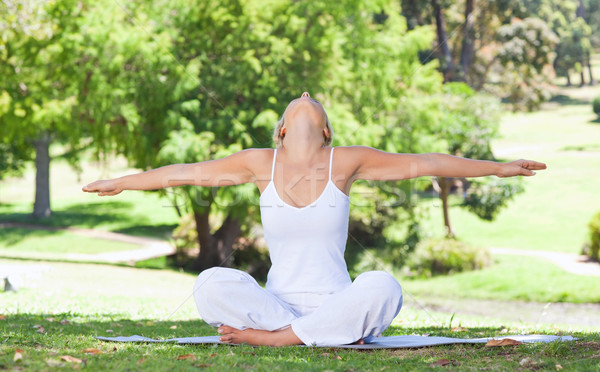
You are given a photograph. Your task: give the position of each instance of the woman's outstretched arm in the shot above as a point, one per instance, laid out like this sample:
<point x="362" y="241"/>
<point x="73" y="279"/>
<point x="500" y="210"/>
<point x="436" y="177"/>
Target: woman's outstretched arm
<point x="379" y="165"/>
<point x="235" y="169"/>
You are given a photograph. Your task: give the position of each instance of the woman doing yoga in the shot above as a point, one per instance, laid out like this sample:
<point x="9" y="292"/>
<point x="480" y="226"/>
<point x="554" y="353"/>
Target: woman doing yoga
<point x="304" y="185"/>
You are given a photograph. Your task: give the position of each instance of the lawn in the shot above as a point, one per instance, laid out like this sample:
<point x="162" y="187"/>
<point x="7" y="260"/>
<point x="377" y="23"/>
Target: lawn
<point x="524" y="279"/>
<point x="53" y="244"/>
<point x="131" y="212"/>
<point x="62" y="306"/>
<point x="558" y="203"/>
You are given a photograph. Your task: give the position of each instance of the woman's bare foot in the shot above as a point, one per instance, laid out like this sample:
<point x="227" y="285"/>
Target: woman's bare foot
<point x="251" y="336"/>
<point x="359" y="342"/>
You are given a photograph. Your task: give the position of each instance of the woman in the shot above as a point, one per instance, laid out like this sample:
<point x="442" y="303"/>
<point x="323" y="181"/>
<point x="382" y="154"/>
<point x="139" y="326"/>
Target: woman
<point x="304" y="185"/>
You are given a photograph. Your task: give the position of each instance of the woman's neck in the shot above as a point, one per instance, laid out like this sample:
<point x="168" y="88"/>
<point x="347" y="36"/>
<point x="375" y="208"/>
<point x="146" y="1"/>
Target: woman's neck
<point x="302" y="148"/>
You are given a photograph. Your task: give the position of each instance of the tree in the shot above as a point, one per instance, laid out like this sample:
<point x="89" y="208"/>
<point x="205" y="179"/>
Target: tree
<point x="253" y="63"/>
<point x="478" y="34"/>
<point x="72" y="72"/>
<point x="468" y="124"/>
<point x="38" y="95"/>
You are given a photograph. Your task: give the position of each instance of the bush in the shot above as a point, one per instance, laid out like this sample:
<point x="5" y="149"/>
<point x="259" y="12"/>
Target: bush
<point x="446" y="256"/>
<point x="487" y="197"/>
<point x="593" y="248"/>
<point x="596" y="106"/>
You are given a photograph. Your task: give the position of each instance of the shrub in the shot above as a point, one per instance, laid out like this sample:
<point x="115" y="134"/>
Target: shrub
<point x="593" y="248"/>
<point x="487" y="197"/>
<point x="596" y="106"/>
<point x="446" y="256"/>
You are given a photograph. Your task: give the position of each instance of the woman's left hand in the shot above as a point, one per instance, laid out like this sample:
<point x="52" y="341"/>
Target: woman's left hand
<point x="520" y="167"/>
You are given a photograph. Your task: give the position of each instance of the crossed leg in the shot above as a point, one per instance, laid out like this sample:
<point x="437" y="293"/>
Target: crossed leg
<point x="246" y="313"/>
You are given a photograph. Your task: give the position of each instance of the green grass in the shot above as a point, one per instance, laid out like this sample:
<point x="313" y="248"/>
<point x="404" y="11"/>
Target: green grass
<point x="43" y="351"/>
<point x="513" y="278"/>
<point x="102" y="300"/>
<point x="20" y="242"/>
<point x="131" y="212"/>
<point x="558" y="203"/>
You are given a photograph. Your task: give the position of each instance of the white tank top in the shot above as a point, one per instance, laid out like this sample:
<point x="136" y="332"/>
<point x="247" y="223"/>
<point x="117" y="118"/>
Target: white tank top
<point x="307" y="244"/>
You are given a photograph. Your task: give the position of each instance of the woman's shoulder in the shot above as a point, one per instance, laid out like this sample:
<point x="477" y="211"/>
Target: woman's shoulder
<point x="354" y="151"/>
<point x="257" y="155"/>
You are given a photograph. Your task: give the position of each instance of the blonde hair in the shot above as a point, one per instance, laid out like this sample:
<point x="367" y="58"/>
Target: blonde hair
<point x="278" y="138"/>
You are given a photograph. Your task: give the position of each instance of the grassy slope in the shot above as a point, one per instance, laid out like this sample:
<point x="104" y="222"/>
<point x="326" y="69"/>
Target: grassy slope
<point x="558" y="203"/>
<point x="131" y="212"/>
<point x="105" y="300"/>
<point x="510" y="278"/>
<point x="134" y="213"/>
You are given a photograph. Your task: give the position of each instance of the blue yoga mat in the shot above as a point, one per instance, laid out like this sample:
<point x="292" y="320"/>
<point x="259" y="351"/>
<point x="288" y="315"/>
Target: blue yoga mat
<point x="389" y="342"/>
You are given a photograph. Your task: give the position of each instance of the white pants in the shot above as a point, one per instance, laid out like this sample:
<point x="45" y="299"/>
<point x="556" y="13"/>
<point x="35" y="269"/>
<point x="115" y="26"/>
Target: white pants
<point x="361" y="311"/>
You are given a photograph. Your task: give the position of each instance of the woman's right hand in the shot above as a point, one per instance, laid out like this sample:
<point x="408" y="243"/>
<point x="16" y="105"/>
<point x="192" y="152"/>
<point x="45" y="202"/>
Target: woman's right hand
<point x="103" y="187"/>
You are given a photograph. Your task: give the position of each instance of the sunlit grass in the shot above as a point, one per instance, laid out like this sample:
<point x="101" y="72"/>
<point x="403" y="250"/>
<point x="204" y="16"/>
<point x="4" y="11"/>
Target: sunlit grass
<point x="559" y="202"/>
<point x="61" y="307"/>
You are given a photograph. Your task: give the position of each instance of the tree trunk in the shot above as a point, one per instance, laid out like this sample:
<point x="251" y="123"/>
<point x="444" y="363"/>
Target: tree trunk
<point x="582" y="74"/>
<point x="442" y="40"/>
<point x="468" y="42"/>
<point x="445" y="184"/>
<point x="41" y="207"/>
<point x="215" y="250"/>
<point x="569" y="79"/>
<point x="589" y="66"/>
<point x="581" y="9"/>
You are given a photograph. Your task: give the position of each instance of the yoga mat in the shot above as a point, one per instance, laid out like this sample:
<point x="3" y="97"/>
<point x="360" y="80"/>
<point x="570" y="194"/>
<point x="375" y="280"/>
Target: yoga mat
<point x="389" y="342"/>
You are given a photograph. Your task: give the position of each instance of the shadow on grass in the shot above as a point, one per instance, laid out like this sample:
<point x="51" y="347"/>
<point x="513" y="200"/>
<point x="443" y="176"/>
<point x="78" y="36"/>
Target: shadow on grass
<point x="565" y="100"/>
<point x="93" y="215"/>
<point x="111" y="325"/>
<point x="80" y="215"/>
<point x="586" y="147"/>
<point x="162" y="231"/>
<point x="46" y="342"/>
<point x="12" y="236"/>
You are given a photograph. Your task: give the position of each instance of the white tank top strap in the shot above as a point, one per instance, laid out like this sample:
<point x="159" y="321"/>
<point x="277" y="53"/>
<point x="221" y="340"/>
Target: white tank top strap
<point x="273" y="166"/>
<point x="330" y="162"/>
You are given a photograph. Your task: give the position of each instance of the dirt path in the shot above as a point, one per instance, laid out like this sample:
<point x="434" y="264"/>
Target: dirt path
<point x="570" y="262"/>
<point x="149" y="248"/>
<point x="555" y="313"/>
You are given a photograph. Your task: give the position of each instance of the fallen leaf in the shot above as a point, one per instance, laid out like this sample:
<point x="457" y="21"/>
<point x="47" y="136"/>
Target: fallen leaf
<point x="204" y="365"/>
<point x="54" y="363"/>
<point x="337" y="357"/>
<point x="141" y="360"/>
<point x="65" y="321"/>
<point x="173" y="327"/>
<point x="70" y="359"/>
<point x="440" y="363"/>
<point x="109" y="331"/>
<point x="186" y="356"/>
<point x="213" y="355"/>
<point x="558" y="367"/>
<point x="18" y="355"/>
<point x="2" y="317"/>
<point x="503" y="342"/>
<point x="92" y="350"/>
<point x="149" y="323"/>
<point x="459" y="329"/>
<point x="40" y="330"/>
<point x="114" y="348"/>
<point x="50" y="319"/>
<point x="119" y="325"/>
<point x="503" y="331"/>
<point x="36" y="326"/>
